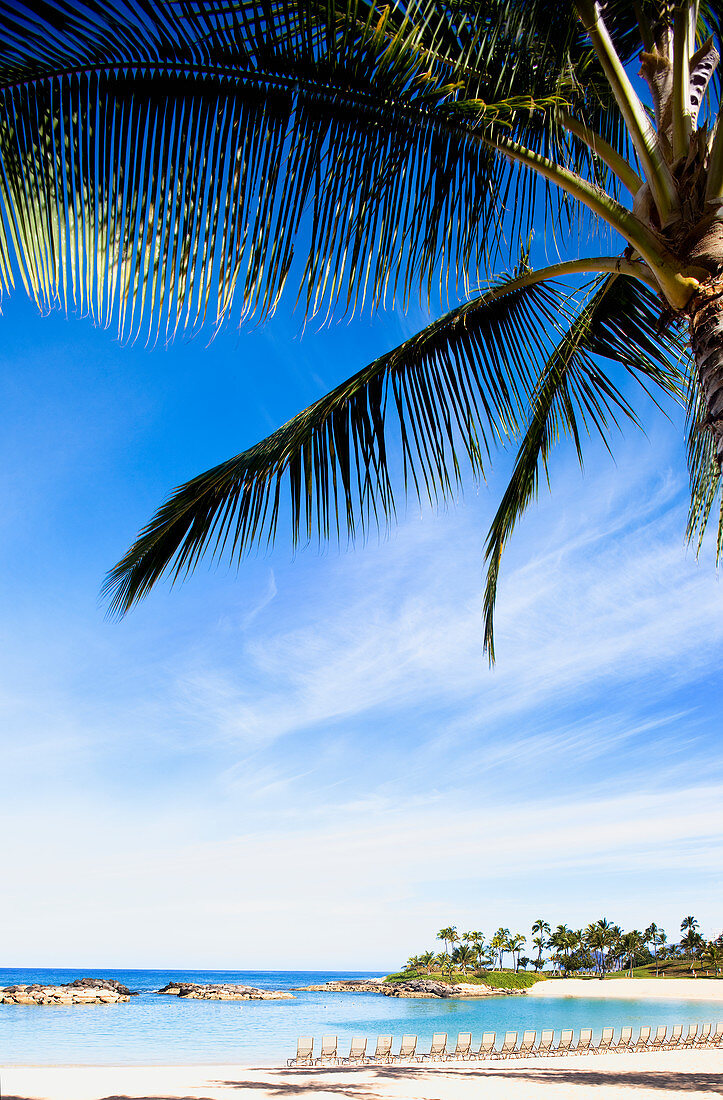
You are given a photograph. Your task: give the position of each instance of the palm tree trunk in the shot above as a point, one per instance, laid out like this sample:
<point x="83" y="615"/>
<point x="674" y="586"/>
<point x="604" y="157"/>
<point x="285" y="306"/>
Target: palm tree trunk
<point x="706" y="336"/>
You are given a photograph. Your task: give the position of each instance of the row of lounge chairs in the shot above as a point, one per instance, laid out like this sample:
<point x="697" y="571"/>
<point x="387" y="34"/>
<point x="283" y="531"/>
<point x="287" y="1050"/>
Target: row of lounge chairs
<point x="696" y="1036"/>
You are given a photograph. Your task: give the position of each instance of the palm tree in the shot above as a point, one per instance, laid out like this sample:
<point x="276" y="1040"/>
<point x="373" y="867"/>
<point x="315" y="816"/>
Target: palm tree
<point x="499" y="943"/>
<point x="599" y="937"/>
<point x="166" y="165"/>
<point x="540" y="930"/>
<point x="655" y="935"/>
<point x="631" y="944"/>
<point x="515" y="945"/>
<point x="426" y="960"/>
<point x="463" y="957"/>
<point x="713" y="952"/>
<point x="476" y="939"/>
<point x="449" y="935"/>
<point x="692" y="941"/>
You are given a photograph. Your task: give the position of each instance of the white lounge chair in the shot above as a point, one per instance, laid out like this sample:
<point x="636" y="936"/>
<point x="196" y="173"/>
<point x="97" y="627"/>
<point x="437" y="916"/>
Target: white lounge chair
<point x="463" y="1047"/>
<point x="703" y="1035"/>
<point x="716" y="1039"/>
<point x="383" y="1052"/>
<point x="625" y="1042"/>
<point x="606" y="1041"/>
<point x="643" y="1040"/>
<point x="304" y="1052"/>
<point x="676" y="1038"/>
<point x="487" y="1045"/>
<point x="357" y="1053"/>
<point x="583" y="1043"/>
<point x="328" y="1055"/>
<point x="407" y="1049"/>
<point x="508" y="1045"/>
<point x="527" y="1045"/>
<point x="563" y="1046"/>
<point x="659" y="1038"/>
<point x="691" y="1036"/>
<point x="437" y="1050"/>
<point x="547" y="1038"/>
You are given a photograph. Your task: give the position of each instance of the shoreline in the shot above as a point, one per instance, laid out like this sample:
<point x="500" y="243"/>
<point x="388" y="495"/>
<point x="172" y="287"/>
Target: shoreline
<point x="705" y="990"/>
<point x="698" y="1073"/>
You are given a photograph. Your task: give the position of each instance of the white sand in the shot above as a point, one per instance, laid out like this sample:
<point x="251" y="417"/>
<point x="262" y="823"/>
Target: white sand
<point x="643" y="989"/>
<point x="696" y="1073"/>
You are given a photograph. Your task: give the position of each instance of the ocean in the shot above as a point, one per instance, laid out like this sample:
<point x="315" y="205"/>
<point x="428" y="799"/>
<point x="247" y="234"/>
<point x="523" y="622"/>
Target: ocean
<point x="168" y="1031"/>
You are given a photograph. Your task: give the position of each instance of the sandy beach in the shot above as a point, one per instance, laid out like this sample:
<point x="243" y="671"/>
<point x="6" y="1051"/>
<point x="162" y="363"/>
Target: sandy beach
<point x="637" y="989"/>
<point x="695" y="1073"/>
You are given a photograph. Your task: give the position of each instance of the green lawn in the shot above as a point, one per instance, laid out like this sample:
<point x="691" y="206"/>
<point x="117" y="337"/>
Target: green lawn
<point x="677" y="968"/>
<point x="497" y="979"/>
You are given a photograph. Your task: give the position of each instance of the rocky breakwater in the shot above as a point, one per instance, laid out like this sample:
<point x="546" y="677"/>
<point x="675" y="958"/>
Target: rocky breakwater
<point x="424" y="987"/>
<point x="83" y="991"/>
<point x="195" y="992"/>
<point x="350" y="986"/>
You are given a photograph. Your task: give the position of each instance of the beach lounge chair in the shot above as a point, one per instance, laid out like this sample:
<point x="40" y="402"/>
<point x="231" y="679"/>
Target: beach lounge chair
<point x="508" y="1045"/>
<point x="407" y="1049"/>
<point x="676" y="1038"/>
<point x="583" y="1043"/>
<point x="716" y="1039"/>
<point x="691" y="1036"/>
<point x="383" y="1053"/>
<point x="527" y="1045"/>
<point x="659" y="1038"/>
<point x="486" y="1047"/>
<point x="606" y="1041"/>
<point x="328" y="1056"/>
<point x="357" y="1053"/>
<point x="625" y="1042"/>
<point x="563" y="1047"/>
<point x="547" y="1038"/>
<point x="304" y="1052"/>
<point x="643" y="1039"/>
<point x="703" y="1035"/>
<point x="463" y="1047"/>
<point x="437" y="1050"/>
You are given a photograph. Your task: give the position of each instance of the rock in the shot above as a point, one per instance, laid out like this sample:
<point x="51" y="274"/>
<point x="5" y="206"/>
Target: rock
<point x="83" y="991"/>
<point x="351" y="986"/>
<point x="424" y="987"/>
<point x="197" y="992"/>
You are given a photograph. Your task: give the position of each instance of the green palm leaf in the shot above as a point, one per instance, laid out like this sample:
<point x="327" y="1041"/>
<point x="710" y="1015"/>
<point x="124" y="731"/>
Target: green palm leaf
<point x="163" y="165"/>
<point x="456" y="389"/>
<point x="575" y="395"/>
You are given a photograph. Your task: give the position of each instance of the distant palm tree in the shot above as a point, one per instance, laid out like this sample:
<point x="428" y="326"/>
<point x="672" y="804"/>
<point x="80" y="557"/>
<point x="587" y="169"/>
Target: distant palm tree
<point x="540" y="932"/>
<point x="464" y="957"/>
<point x="713" y="952"/>
<point x="166" y="162"/>
<point x="599" y="937"/>
<point x="632" y="944"/>
<point x="449" y="935"/>
<point x="515" y="945"/>
<point x="499" y="944"/>
<point x="427" y="960"/>
<point x="540" y="944"/>
<point x="655" y="935"/>
<point x="476" y="939"/>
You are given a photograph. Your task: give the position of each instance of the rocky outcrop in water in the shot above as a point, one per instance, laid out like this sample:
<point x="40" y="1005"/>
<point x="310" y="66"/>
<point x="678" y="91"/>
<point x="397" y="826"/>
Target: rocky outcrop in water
<point x="198" y="992"/>
<point x="425" y="987"/>
<point x="351" y="986"/>
<point x="83" y="991"/>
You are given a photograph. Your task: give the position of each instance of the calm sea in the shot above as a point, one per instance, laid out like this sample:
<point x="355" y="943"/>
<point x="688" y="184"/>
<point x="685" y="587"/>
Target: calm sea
<point x="165" y="1030"/>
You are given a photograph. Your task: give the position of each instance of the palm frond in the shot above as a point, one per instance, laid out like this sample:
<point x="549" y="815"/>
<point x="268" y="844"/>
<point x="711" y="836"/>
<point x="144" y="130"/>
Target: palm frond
<point x="454" y="391"/>
<point x="704" y="471"/>
<point x="576" y="396"/>
<point x="166" y="164"/>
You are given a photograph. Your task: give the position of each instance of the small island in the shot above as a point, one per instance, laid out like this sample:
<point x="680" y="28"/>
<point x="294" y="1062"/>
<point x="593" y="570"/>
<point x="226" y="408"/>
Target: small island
<point x="194" y="991"/>
<point x="83" y="991"/>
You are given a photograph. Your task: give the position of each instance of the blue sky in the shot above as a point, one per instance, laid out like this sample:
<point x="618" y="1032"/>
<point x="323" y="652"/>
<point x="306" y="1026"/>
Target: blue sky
<point x="310" y="764"/>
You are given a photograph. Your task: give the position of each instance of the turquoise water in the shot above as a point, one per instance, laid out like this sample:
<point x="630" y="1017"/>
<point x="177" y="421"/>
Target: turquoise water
<point x="166" y="1030"/>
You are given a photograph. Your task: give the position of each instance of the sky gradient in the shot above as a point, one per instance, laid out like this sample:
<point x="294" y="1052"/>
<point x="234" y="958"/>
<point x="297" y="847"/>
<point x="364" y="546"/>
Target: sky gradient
<point x="309" y="764"/>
